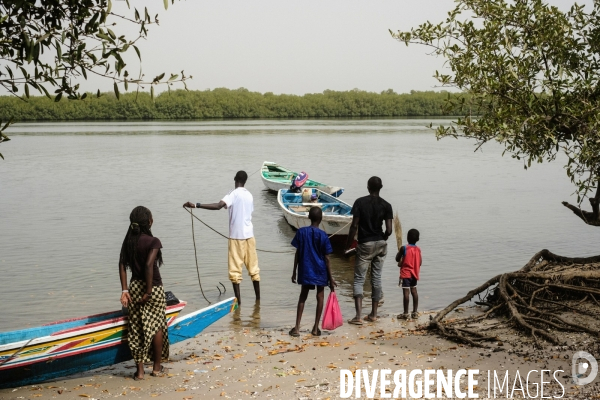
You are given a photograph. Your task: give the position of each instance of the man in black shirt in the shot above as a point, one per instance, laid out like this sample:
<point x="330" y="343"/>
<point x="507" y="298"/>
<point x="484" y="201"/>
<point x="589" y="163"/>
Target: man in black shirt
<point x="369" y="213"/>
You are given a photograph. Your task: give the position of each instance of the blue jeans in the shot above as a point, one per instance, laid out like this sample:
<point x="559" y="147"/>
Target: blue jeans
<point x="369" y="254"/>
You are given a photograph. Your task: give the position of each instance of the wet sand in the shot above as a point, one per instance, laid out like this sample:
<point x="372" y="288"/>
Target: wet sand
<point x="255" y="363"/>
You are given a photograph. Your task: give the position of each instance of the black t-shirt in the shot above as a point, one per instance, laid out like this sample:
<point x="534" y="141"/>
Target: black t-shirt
<point x="144" y="245"/>
<point x="371" y="211"/>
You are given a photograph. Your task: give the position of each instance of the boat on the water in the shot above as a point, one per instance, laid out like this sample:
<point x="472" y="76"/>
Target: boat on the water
<point x="67" y="347"/>
<point x="337" y="215"/>
<point x="276" y="177"/>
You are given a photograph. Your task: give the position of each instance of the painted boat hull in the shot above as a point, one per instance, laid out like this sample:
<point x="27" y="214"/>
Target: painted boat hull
<point x="90" y="346"/>
<point x="338" y="225"/>
<point x="276" y="185"/>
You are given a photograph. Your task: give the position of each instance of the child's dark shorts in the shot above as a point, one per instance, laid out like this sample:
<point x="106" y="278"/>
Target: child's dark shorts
<point x="408" y="283"/>
<point x="313" y="287"/>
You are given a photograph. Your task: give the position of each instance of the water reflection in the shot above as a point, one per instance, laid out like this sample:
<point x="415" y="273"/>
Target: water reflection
<point x="242" y="319"/>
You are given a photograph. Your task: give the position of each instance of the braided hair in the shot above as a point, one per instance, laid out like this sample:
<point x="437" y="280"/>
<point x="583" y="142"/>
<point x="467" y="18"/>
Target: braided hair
<point x="139" y="223"/>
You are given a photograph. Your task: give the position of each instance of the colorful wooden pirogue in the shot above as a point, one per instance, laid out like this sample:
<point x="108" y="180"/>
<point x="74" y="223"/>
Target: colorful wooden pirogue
<point x="337" y="215"/>
<point x="67" y="347"/>
<point x="276" y="177"/>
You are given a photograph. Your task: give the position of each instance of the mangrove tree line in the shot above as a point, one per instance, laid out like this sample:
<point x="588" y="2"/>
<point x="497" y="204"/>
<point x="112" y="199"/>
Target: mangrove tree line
<point x="226" y="103"/>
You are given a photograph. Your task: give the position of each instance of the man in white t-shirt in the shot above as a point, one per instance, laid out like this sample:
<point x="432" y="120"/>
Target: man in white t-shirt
<point x="242" y="246"/>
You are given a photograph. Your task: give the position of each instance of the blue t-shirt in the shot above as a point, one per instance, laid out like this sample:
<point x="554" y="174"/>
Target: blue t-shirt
<point x="313" y="245"/>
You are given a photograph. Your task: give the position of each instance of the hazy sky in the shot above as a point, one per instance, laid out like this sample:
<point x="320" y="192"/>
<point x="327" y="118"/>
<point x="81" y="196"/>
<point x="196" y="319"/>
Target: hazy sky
<point x="290" y="46"/>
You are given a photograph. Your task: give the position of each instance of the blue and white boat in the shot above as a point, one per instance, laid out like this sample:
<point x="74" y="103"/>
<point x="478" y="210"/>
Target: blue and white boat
<point x="337" y="215"/>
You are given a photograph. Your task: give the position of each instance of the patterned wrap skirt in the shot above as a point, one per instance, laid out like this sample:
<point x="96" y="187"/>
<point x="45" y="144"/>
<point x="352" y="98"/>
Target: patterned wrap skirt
<point x="145" y="320"/>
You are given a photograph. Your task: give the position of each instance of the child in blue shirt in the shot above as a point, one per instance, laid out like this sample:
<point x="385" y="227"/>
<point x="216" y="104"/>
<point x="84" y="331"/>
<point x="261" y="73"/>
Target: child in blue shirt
<point x="312" y="266"/>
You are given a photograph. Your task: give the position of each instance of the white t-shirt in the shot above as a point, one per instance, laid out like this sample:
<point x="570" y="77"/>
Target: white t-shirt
<point x="240" y="204"/>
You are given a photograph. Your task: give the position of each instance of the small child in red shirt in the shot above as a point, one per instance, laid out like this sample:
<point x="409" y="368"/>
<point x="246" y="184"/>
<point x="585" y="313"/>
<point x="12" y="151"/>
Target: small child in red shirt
<point x="409" y="260"/>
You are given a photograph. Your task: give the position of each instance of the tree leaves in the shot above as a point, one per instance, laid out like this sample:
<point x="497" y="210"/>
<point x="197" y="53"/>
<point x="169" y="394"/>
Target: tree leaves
<point x="531" y="73"/>
<point x="79" y="36"/>
<point x="158" y="78"/>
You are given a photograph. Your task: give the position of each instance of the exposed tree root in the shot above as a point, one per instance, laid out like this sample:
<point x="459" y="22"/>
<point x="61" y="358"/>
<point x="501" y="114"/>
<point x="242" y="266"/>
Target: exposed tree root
<point x="550" y="294"/>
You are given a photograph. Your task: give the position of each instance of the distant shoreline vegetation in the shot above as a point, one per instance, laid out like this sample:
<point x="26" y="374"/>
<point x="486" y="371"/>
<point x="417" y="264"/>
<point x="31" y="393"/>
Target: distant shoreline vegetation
<point x="226" y="104"/>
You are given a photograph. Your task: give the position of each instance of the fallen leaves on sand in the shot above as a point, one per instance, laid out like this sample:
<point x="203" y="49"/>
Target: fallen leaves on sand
<point x="295" y="349"/>
<point x="323" y="344"/>
<point x="180" y="389"/>
<point x="84" y="395"/>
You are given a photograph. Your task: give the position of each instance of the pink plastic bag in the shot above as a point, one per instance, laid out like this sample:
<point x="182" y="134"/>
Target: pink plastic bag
<point x="332" y="318"/>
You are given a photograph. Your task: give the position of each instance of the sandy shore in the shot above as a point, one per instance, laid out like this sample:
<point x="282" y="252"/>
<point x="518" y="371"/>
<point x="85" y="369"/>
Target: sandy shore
<point x="270" y="364"/>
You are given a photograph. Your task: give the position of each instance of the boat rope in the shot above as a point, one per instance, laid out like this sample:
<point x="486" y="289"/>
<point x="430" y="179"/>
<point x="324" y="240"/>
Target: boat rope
<point x="13" y="355"/>
<point x="226" y="237"/>
<point x="196" y="256"/>
<point x="339" y="230"/>
<point x="254" y="172"/>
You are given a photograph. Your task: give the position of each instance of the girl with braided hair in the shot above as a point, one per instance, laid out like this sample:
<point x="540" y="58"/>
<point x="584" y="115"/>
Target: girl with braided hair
<point x="145" y="298"/>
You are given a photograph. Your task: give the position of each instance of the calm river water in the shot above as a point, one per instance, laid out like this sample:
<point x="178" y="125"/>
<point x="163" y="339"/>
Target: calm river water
<point x="66" y="191"/>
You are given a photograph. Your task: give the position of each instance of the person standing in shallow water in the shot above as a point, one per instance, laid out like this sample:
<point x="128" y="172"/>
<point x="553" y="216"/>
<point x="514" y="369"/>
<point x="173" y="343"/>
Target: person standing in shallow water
<point x="368" y="215"/>
<point x="242" y="245"/>
<point x="147" y="335"/>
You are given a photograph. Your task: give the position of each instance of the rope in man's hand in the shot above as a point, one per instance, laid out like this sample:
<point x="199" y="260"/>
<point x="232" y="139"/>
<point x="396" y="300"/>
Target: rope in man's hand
<point x="261" y="250"/>
<point x="226" y="237"/>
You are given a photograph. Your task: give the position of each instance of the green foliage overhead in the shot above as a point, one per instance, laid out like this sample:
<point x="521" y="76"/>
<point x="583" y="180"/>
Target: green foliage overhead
<point x="225" y="103"/>
<point x="49" y="46"/>
<point x="531" y="73"/>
